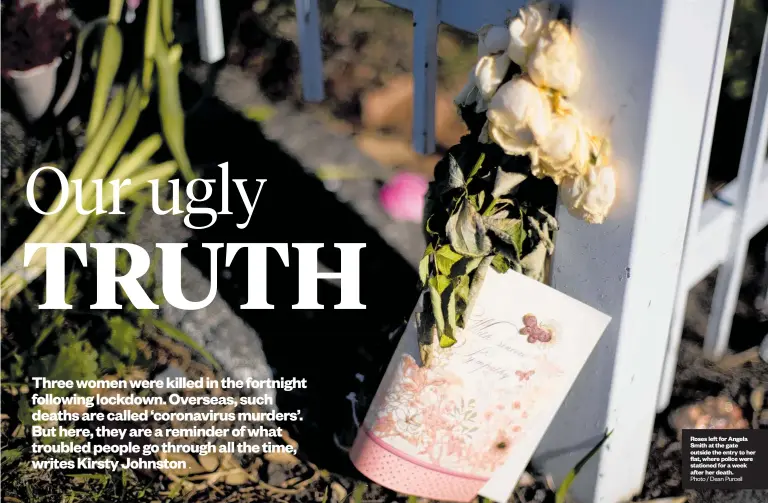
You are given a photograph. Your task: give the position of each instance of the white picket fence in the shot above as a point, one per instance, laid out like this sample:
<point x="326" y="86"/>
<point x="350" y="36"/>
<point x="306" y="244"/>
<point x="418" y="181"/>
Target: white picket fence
<point x="653" y="70"/>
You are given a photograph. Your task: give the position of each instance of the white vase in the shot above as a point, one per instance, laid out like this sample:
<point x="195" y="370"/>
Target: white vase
<point x="35" y="88"/>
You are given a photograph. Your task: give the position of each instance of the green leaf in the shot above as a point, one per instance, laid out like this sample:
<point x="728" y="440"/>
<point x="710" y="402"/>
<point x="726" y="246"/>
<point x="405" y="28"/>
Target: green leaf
<point x="470" y="264"/>
<point x="450" y="313"/>
<point x="439" y="283"/>
<point x="474" y="288"/>
<point x="562" y="491"/>
<point x="437" y="307"/>
<point x="76" y="360"/>
<point x="500" y="264"/>
<point x="462" y="288"/>
<point x="509" y="230"/>
<point x="480" y="200"/>
<point x="24" y="414"/>
<point x="124" y="337"/>
<point x="455" y="175"/>
<point x="260" y="113"/>
<point x="179" y="336"/>
<point x="10" y="456"/>
<point x="424" y="264"/>
<point x="467" y="232"/>
<point x="505" y="182"/>
<point x="473" y="199"/>
<point x="358" y="492"/>
<point x="445" y="258"/>
<point x="429" y="231"/>
<point x="476" y="167"/>
<point x="446" y="341"/>
<point x="71" y="291"/>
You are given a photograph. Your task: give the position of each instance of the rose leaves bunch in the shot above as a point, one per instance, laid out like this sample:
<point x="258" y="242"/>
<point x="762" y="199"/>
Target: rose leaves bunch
<point x="490" y="202"/>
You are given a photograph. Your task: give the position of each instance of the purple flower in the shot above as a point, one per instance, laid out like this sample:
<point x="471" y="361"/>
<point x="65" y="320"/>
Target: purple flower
<point x="402" y="197"/>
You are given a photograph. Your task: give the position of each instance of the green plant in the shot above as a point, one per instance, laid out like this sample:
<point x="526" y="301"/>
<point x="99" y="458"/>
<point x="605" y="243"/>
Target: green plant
<point x="562" y="491"/>
<point x="745" y="40"/>
<point x="111" y="124"/>
<point x="484" y="210"/>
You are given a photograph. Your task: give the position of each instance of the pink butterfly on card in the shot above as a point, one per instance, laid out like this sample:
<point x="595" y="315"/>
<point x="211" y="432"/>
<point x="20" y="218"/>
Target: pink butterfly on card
<point x="524" y="376"/>
<point x="535" y="332"/>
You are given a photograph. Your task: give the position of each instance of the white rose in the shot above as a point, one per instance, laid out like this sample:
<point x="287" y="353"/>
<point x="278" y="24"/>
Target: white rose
<point x="591" y="195"/>
<point x="489" y="72"/>
<point x="565" y="151"/>
<point x="519" y="114"/>
<point x="469" y="93"/>
<point x="482" y="82"/>
<point x="554" y="61"/>
<point x="525" y="30"/>
<point x="492" y="39"/>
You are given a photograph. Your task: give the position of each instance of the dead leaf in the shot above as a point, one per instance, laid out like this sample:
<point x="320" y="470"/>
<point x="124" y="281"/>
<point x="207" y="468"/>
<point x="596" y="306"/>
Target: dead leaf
<point x="466" y="232"/>
<point x="193" y="467"/>
<point x="739" y="359"/>
<point x="757" y="398"/>
<point x="209" y="462"/>
<point x="281" y="458"/>
<point x="288" y="440"/>
<point x="338" y="493"/>
<point x="237" y="478"/>
<point x="526" y="480"/>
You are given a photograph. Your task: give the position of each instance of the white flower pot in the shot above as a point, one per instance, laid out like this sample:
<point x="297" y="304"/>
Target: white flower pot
<point x="35" y="88"/>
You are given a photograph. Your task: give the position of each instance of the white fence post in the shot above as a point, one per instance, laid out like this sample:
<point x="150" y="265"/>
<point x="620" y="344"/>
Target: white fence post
<point x="647" y="66"/>
<point x="425" y="24"/>
<point x="750" y="168"/>
<point x="694" y="217"/>
<point x="310" y="50"/>
<point x="209" y="29"/>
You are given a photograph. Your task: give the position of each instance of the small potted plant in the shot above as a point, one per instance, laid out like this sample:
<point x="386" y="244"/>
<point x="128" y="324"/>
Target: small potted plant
<point x="34" y="34"/>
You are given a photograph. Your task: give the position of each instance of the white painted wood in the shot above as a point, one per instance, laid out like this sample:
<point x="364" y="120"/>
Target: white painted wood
<point x="425" y="24"/>
<point x="466" y="15"/>
<point x="752" y="161"/>
<point x="458" y="13"/>
<point x="209" y="29"/>
<point x="700" y="184"/>
<point x="310" y="50"/>
<point x="648" y="66"/>
<point x="710" y="245"/>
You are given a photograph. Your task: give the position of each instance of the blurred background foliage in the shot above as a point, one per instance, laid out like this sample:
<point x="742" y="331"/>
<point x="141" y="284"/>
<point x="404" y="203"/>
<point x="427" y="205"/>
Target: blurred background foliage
<point x="744" y="43"/>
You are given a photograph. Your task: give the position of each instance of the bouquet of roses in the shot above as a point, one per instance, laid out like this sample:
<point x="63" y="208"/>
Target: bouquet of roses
<point x="491" y="201"/>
